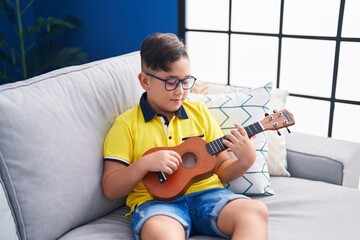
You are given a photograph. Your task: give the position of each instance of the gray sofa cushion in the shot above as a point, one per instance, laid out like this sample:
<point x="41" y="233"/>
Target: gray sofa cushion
<point x="112" y="226"/>
<point x="323" y="159"/>
<point x="300" y="209"/>
<point x="304" y="209"/>
<point x="52" y="129"/>
<point x="6" y="217"/>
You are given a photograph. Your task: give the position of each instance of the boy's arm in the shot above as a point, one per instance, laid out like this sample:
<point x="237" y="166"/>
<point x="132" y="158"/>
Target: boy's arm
<point x="119" y="180"/>
<point x="243" y="147"/>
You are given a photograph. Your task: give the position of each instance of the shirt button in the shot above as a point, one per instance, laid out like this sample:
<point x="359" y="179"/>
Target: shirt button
<point x="170" y="137"/>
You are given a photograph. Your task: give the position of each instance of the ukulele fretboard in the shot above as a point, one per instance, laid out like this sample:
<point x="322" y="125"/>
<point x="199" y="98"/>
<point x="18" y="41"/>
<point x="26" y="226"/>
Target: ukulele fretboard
<point x="217" y="146"/>
<point x="254" y="129"/>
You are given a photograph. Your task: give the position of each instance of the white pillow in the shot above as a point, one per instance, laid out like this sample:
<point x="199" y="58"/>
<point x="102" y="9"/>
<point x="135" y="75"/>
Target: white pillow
<point x="277" y="162"/>
<point x="245" y="107"/>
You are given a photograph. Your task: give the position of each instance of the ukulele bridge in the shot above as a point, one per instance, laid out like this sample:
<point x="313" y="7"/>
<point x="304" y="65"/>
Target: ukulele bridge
<point x="161" y="176"/>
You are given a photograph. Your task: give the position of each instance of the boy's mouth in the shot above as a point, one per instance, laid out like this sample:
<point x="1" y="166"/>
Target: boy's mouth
<point x="176" y="99"/>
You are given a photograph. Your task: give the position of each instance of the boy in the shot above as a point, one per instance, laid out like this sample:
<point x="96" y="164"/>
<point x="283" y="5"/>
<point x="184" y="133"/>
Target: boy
<point x="165" y="118"/>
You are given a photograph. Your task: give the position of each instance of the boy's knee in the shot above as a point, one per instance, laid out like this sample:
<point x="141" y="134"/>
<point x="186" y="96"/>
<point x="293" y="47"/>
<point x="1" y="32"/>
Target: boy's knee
<point x="254" y="208"/>
<point x="261" y="209"/>
<point x="162" y="227"/>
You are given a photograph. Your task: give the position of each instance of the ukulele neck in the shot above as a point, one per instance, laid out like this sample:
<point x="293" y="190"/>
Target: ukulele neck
<point x="217" y="145"/>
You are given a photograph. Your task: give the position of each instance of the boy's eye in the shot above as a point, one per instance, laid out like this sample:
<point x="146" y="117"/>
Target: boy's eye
<point x="172" y="81"/>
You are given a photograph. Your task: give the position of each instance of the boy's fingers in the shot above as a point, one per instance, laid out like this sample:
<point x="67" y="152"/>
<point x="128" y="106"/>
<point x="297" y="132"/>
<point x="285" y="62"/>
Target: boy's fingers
<point x="241" y="129"/>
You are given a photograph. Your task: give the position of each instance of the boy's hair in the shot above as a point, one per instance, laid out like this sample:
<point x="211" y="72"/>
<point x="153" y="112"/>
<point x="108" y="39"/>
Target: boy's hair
<point x="159" y="50"/>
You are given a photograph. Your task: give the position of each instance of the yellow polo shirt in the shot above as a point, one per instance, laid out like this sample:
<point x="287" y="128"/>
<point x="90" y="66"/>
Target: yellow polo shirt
<point x="140" y="129"/>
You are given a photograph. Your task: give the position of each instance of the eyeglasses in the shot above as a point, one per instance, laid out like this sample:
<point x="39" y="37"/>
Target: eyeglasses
<point x="172" y="83"/>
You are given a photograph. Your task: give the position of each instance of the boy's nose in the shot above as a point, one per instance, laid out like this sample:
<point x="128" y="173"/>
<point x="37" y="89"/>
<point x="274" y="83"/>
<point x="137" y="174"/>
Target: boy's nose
<point x="179" y="88"/>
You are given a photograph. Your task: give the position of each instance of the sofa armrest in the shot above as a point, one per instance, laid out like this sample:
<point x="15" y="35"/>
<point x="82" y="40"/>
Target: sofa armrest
<point x="323" y="159"/>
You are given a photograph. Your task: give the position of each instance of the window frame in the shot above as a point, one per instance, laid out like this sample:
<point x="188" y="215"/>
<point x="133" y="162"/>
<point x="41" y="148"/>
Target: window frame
<point x="338" y="39"/>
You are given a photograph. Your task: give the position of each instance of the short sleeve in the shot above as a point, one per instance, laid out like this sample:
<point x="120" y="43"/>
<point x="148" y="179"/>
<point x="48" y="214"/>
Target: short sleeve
<point x="118" y="144"/>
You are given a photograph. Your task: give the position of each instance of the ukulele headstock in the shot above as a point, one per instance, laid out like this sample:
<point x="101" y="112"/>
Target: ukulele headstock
<point x="277" y="120"/>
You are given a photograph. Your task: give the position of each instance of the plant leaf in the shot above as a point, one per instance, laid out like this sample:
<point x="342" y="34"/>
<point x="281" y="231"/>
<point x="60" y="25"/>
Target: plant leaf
<point x="4" y="78"/>
<point x="5" y="57"/>
<point x="11" y="57"/>
<point x="7" y="10"/>
<point x="50" y="26"/>
<point x="3" y="41"/>
<point x="68" y="56"/>
<point x="48" y="57"/>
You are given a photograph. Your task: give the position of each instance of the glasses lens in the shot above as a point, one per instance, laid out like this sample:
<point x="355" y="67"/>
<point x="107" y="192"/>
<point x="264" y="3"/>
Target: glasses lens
<point x="172" y="84"/>
<point x="188" y="83"/>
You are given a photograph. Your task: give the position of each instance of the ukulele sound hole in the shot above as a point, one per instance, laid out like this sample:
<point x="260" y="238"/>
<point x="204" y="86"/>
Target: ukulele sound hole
<point x="189" y="159"/>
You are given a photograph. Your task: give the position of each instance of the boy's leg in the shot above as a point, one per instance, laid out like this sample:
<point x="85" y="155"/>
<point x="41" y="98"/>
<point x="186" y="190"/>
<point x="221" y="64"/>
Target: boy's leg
<point x="162" y="227"/>
<point x="220" y="212"/>
<point x="244" y="219"/>
<point x="161" y="220"/>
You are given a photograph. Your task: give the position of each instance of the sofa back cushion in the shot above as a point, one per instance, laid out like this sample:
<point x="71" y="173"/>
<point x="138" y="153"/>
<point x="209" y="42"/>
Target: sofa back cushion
<point x="7" y="224"/>
<point x="52" y="129"/>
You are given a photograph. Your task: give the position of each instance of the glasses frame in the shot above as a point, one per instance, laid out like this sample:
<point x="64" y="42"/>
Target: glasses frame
<point x="177" y="84"/>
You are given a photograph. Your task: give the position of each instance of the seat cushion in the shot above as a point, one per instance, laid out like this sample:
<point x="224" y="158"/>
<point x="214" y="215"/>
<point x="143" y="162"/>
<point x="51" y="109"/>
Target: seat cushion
<point x="112" y="226"/>
<point x="304" y="209"/>
<point x="300" y="209"/>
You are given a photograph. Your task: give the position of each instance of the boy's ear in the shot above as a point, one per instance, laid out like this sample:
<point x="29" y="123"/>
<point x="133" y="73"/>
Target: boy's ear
<point x="144" y="80"/>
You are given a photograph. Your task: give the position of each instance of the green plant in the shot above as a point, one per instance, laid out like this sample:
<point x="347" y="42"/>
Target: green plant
<point x="38" y="48"/>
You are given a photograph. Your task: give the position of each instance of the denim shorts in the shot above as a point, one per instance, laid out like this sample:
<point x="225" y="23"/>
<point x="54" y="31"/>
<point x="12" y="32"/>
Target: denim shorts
<point x="197" y="212"/>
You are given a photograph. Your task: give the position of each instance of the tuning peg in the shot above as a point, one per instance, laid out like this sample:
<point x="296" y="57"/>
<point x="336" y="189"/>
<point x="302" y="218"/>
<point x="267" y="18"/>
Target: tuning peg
<point x="278" y="132"/>
<point x="288" y="130"/>
<point x="274" y="111"/>
<point x="266" y="114"/>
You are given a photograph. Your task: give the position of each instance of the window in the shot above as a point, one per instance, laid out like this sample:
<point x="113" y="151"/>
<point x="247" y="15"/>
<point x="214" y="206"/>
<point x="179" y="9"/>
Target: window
<point x="309" y="47"/>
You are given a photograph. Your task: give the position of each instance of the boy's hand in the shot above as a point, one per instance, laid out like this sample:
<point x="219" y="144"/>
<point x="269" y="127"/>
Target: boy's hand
<point x="166" y="161"/>
<point x="242" y="146"/>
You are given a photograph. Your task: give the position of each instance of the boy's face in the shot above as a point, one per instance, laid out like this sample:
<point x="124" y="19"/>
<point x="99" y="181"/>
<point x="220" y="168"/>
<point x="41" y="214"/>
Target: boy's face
<point x="161" y="100"/>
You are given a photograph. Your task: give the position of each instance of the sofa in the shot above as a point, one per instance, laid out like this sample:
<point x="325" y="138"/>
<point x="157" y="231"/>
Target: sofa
<point x="52" y="129"/>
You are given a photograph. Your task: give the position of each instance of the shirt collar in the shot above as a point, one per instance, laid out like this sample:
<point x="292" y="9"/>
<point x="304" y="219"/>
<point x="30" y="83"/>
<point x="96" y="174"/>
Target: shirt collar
<point x="149" y="113"/>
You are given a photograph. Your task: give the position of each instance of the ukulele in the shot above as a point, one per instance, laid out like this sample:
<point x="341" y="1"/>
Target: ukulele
<point x="199" y="158"/>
